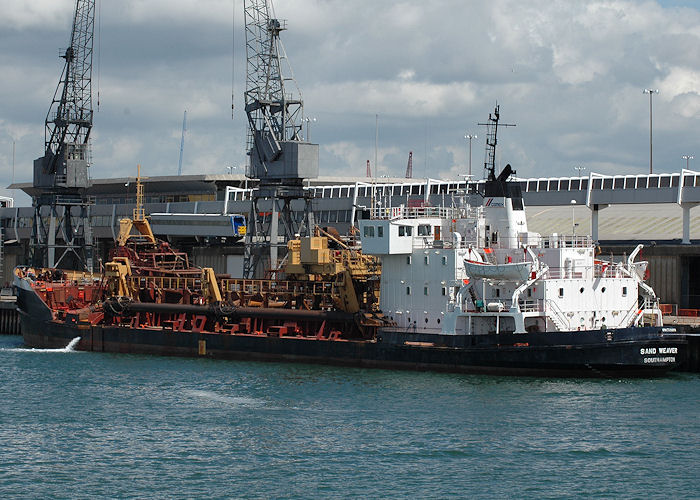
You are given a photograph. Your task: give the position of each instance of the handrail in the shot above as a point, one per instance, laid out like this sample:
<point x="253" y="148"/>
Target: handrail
<point x="558" y="314"/>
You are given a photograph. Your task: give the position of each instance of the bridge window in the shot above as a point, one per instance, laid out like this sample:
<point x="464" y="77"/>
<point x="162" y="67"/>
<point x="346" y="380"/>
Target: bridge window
<point x="423" y="230"/>
<point x="380" y="232"/>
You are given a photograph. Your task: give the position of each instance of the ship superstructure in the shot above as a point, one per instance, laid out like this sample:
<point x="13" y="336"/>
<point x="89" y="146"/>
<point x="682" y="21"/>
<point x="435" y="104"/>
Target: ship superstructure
<point x="478" y="270"/>
<point x="474" y="269"/>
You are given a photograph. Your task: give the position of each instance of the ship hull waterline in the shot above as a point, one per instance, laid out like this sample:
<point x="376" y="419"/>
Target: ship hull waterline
<point x="612" y="359"/>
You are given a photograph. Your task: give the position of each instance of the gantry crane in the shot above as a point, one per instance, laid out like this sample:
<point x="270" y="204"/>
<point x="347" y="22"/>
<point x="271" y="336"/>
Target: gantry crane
<point x="61" y="234"/>
<point x="280" y="158"/>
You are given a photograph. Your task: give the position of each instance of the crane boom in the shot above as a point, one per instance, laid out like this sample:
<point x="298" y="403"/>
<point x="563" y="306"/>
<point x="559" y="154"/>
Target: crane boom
<point x="69" y="119"/>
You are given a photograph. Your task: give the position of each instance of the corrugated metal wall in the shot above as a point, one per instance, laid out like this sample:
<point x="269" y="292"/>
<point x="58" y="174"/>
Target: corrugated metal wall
<point x="665" y="277"/>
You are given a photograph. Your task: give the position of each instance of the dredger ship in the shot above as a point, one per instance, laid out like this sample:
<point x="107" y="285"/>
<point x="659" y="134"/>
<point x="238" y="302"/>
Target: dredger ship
<point x="457" y="288"/>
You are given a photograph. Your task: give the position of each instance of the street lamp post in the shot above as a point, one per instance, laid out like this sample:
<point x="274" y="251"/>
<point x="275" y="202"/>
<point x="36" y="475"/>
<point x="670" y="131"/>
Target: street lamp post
<point x="573" y="217"/>
<point x="470" y="137"/>
<point x="651" y="92"/>
<point x="687" y="159"/>
<point x="308" y="127"/>
<point x="579" y="168"/>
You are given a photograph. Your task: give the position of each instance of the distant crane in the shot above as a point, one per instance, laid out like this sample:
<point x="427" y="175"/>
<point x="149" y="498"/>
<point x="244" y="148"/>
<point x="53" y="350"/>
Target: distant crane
<point x="369" y="170"/>
<point x="182" y="142"/>
<point x="61" y="176"/>
<point x="409" y="167"/>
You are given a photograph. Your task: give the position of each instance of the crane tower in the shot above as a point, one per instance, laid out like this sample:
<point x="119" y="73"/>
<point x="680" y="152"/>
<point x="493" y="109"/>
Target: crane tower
<point x="61" y="234"/>
<point x="279" y="156"/>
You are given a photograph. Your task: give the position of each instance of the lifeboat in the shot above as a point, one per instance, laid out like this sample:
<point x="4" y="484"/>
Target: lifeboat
<point x="515" y="271"/>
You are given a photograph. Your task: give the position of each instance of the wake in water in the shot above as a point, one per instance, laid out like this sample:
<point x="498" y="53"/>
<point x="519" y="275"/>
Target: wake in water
<point x="69" y="348"/>
<point x="234" y="401"/>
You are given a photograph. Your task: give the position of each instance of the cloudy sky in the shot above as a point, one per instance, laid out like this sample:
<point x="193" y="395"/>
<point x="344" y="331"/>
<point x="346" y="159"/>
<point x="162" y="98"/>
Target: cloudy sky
<point x="570" y="74"/>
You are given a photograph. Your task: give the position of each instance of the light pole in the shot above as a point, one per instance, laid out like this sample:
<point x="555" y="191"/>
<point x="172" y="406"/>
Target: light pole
<point x="470" y="137"/>
<point x="651" y="92"/>
<point x="687" y="159"/>
<point x="573" y="219"/>
<point x="308" y="127"/>
<point x="579" y="168"/>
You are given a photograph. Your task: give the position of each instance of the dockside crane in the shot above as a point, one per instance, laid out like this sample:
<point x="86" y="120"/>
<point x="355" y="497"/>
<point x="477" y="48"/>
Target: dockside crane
<point x="61" y="234"/>
<point x="279" y="157"/>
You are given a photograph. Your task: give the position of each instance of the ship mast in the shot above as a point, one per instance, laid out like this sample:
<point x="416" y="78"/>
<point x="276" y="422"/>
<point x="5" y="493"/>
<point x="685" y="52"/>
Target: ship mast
<point x="491" y="141"/>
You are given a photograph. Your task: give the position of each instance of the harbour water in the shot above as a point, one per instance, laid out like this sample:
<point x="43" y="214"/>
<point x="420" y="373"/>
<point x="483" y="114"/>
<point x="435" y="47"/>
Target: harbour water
<point x="88" y="425"/>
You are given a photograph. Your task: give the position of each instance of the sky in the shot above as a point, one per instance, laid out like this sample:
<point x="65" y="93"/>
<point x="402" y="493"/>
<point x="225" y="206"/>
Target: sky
<point x="418" y="75"/>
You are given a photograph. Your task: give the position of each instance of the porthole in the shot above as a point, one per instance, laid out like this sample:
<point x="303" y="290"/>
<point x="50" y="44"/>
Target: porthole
<point x="426" y="320"/>
<point x="438" y="321"/>
<point x="602" y="290"/>
<point x="581" y="290"/>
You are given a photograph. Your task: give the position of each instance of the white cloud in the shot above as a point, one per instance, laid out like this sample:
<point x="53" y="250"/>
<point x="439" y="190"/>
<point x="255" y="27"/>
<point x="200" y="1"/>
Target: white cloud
<point x="570" y="74"/>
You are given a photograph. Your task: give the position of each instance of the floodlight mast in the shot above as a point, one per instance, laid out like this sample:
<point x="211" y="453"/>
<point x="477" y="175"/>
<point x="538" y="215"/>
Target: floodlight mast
<point x="280" y="158"/>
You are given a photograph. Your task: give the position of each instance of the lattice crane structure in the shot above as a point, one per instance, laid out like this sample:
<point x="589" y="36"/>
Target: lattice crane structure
<point x="279" y="157"/>
<point x="61" y="234"/>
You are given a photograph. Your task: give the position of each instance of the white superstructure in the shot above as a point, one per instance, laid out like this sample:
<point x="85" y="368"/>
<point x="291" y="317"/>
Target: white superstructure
<point x="478" y="270"/>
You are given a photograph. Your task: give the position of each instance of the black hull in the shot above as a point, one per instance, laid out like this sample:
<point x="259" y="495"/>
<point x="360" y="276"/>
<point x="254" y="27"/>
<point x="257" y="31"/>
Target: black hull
<point x="638" y="352"/>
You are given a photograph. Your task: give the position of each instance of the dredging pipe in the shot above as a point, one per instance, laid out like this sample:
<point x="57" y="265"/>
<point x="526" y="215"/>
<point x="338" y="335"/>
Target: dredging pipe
<point x="118" y="307"/>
